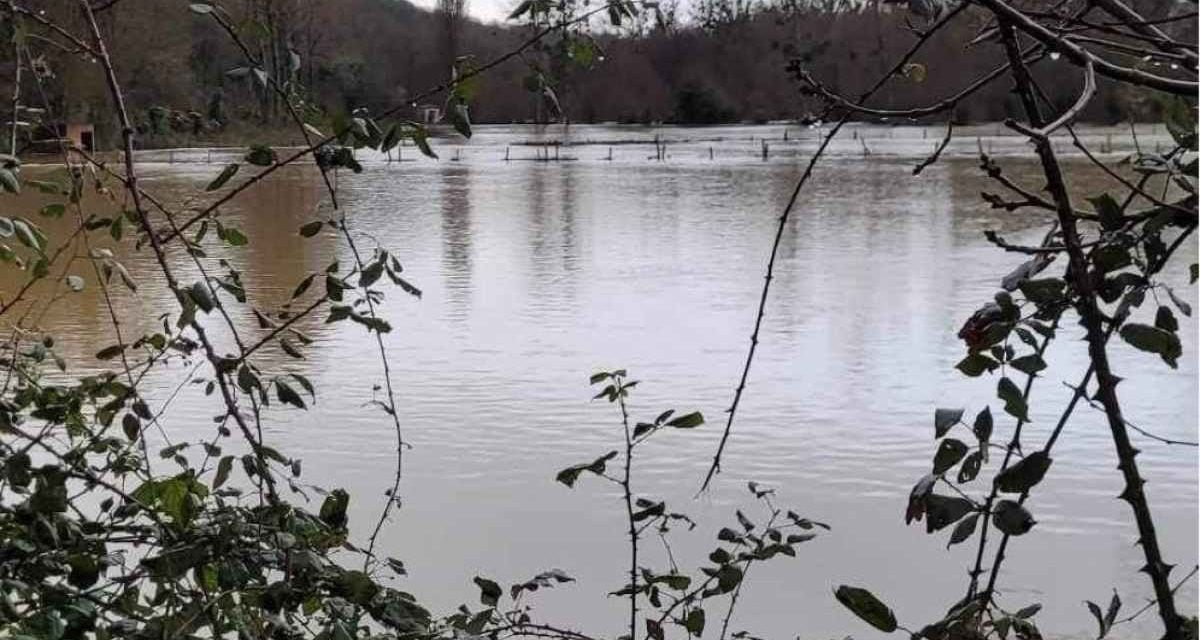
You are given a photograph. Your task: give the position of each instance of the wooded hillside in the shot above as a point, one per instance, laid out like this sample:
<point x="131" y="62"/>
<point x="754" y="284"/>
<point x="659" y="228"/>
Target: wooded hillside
<point x="716" y="61"/>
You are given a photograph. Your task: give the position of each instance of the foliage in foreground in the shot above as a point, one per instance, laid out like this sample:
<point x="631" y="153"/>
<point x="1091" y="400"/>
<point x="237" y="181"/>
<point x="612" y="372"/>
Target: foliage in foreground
<point x="103" y="539"/>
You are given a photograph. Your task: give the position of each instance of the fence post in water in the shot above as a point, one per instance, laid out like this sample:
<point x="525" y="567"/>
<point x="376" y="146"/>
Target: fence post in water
<point x="765" y="149"/>
<point x="506" y="148"/>
<point x="610" y="154"/>
<point x="556" y="147"/>
<point x="785" y="134"/>
<point x="710" y="152"/>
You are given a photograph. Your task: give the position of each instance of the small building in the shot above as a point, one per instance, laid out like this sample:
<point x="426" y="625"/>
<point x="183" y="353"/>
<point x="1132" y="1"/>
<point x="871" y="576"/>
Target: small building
<point x="82" y="135"/>
<point x="49" y="137"/>
<point x="430" y="113"/>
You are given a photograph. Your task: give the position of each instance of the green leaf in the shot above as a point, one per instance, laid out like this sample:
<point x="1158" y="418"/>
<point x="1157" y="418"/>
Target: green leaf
<point x="944" y="419"/>
<point x="948" y="455"/>
<point x="963" y="530"/>
<point x="54" y="210"/>
<point x="9" y="182"/>
<point x="333" y="509"/>
<point x="176" y="561"/>
<point x="976" y="364"/>
<point x="1184" y="308"/>
<point x="202" y="296"/>
<point x="1108" y="210"/>
<point x="1011" y="518"/>
<point x="1014" y="400"/>
<point x="1028" y="612"/>
<point x="520" y="10"/>
<point x="311" y="229"/>
<point x="728" y="578"/>
<point x="1044" y="290"/>
<point x="234" y="237"/>
<point x="246" y="380"/>
<point x="1099" y="615"/>
<point x="85" y="571"/>
<point x="390" y="139"/>
<point x="224" y="467"/>
<point x="1180" y="122"/>
<point x="687" y="421"/>
<point x="1110" y="616"/>
<point x="306" y="383"/>
<point x="290" y="349"/>
<point x="694" y="622"/>
<point x="970" y="467"/>
<point x="943" y="511"/>
<point x="569" y="475"/>
<point x="983" y="426"/>
<point x="1153" y="340"/>
<point x="370" y="274"/>
<point x="108" y="353"/>
<point x="131" y="426"/>
<point x="420" y="137"/>
<point x="303" y="286"/>
<point x="1025" y="474"/>
<point x="1029" y="365"/>
<point x="288" y="395"/>
<point x="654" y="510"/>
<point x="489" y="591"/>
<point x="228" y="172"/>
<point x="865" y="605"/>
<point x="27" y="235"/>
<point x="460" y="118"/>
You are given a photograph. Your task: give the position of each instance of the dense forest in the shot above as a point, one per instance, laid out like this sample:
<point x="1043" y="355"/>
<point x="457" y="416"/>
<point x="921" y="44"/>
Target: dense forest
<point x="707" y="62"/>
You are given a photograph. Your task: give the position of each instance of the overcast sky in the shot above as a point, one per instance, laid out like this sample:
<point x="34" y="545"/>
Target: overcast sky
<point x="485" y="10"/>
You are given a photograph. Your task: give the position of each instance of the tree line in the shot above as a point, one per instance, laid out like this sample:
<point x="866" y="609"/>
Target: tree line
<point x="714" y="61"/>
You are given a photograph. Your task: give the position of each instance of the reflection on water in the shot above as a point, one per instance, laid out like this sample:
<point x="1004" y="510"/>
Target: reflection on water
<point x="537" y="273"/>
<point x="456" y="239"/>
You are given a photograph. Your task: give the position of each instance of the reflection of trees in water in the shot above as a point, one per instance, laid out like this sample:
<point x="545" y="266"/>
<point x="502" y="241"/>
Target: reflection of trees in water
<point x="277" y="257"/>
<point x="456" y="238"/>
<point x="554" y="254"/>
<point x="80" y="320"/>
<point x="973" y="214"/>
<point x="850" y="312"/>
<point x="271" y="265"/>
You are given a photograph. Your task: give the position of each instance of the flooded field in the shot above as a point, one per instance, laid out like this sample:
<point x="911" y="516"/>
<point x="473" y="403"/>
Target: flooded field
<point x="546" y="254"/>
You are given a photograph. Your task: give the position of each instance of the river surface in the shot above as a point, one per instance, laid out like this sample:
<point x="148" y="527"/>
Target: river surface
<point x="536" y="273"/>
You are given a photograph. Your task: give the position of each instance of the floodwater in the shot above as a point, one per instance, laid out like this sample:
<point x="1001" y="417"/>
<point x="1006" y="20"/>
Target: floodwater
<point x="537" y="273"/>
